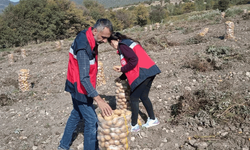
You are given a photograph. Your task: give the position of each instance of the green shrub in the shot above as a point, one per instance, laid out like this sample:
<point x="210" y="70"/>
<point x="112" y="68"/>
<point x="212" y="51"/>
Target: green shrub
<point x="219" y="51"/>
<point x="157" y="14"/>
<point x="233" y="12"/>
<point x="222" y="5"/>
<point x="210" y="15"/>
<point x="142" y="15"/>
<point x="40" y="20"/>
<point x="188" y="7"/>
<point x="199" y="5"/>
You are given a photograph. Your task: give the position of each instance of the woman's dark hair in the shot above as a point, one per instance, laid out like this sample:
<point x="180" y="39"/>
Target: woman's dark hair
<point x="118" y="36"/>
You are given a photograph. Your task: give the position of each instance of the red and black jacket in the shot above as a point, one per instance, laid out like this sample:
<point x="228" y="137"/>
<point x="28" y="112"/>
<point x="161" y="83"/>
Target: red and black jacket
<point x="145" y="67"/>
<point x="83" y="41"/>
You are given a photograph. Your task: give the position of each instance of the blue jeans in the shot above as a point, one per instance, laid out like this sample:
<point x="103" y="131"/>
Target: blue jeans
<point x="81" y="111"/>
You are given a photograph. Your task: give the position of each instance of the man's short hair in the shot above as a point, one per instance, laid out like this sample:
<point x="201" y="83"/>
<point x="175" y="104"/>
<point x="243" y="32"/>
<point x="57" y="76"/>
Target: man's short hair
<point x="102" y="23"/>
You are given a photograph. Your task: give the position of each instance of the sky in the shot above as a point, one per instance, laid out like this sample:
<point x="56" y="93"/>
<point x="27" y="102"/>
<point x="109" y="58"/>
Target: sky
<point x="14" y="0"/>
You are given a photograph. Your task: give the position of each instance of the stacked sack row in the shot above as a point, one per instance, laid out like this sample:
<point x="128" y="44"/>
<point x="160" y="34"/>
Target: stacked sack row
<point x="113" y="131"/>
<point x="122" y="95"/>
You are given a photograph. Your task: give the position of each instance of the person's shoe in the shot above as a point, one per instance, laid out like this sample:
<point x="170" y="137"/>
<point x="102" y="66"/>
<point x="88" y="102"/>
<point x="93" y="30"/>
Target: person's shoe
<point x="135" y="128"/>
<point x="151" y="123"/>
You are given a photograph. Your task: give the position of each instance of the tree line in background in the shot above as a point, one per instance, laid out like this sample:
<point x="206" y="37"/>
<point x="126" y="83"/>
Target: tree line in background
<point x="47" y="20"/>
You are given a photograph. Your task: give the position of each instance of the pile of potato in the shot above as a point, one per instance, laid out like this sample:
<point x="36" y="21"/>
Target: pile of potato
<point x="122" y="95"/>
<point x="114" y="130"/>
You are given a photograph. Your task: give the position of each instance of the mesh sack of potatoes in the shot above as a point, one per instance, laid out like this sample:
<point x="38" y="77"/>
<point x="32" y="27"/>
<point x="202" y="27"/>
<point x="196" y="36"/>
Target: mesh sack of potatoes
<point x="229" y="30"/>
<point x="114" y="131"/>
<point x="122" y="95"/>
<point x="100" y="75"/>
<point x="203" y="32"/>
<point x="23" y="76"/>
<point x="11" y="58"/>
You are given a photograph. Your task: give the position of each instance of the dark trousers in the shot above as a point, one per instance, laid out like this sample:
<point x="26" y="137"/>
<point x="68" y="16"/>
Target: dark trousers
<point x="141" y="92"/>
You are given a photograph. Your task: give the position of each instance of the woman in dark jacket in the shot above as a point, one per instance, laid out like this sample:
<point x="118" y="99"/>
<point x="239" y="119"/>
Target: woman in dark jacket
<point x="140" y="70"/>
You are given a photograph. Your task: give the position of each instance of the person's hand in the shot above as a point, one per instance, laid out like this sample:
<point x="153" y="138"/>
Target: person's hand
<point x="118" y="80"/>
<point x="104" y="106"/>
<point x="117" y="68"/>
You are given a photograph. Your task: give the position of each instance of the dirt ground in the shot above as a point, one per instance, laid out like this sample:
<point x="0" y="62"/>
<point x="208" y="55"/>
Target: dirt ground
<point x="201" y="97"/>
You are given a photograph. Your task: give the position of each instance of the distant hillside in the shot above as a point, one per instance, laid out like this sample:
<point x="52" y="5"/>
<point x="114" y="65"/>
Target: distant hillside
<point x="5" y="3"/>
<point x="113" y="3"/>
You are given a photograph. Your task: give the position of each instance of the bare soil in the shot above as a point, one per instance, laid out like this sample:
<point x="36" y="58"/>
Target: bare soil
<point x="201" y="97"/>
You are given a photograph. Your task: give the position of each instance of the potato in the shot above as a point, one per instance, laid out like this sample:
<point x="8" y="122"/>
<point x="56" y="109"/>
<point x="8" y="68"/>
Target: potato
<point x="124" y="105"/>
<point x="106" y="144"/>
<point x="106" y="131"/>
<point x="114" y="136"/>
<point x="126" y="146"/>
<point x="121" y="95"/>
<point x="124" y="140"/>
<point x="114" y="121"/>
<point x="123" y="111"/>
<point x="107" y="137"/>
<point x="100" y="118"/>
<point x="117" y="142"/>
<point x="102" y="144"/>
<point x="117" y="112"/>
<point x="117" y="130"/>
<point x="99" y="132"/>
<point x="98" y="137"/>
<point x="115" y="117"/>
<point x="119" y="100"/>
<point x="128" y="113"/>
<point x="118" y="84"/>
<point x="107" y="118"/>
<point x="104" y="126"/>
<point x="119" y="123"/>
<point x="111" y="142"/>
<point x="102" y="139"/>
<point x="112" y="130"/>
<point x="122" y="135"/>
<point x="121" y="90"/>
<point x="118" y="106"/>
<point x="123" y="128"/>
<point x="128" y="117"/>
<point x="117" y="91"/>
<point x="109" y="123"/>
